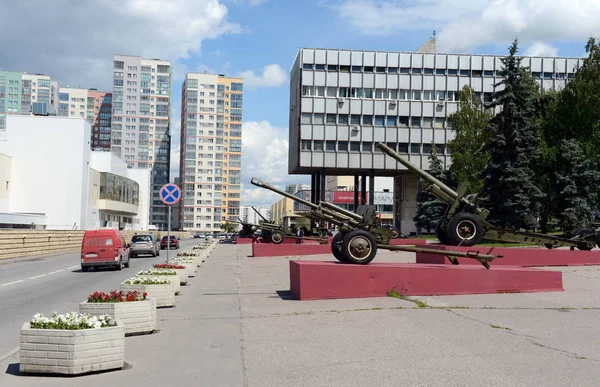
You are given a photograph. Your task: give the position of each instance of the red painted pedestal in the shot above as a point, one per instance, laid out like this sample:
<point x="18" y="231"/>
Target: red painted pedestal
<point x="307" y="248"/>
<point x="517" y="256"/>
<point x="407" y="242"/>
<point x="316" y="280"/>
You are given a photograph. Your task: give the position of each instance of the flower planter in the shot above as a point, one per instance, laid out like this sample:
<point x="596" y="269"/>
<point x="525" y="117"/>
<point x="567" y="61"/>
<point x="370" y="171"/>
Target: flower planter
<point x="190" y="265"/>
<point x="175" y="281"/>
<point x="71" y="352"/>
<point x="138" y="317"/>
<point x="164" y="294"/>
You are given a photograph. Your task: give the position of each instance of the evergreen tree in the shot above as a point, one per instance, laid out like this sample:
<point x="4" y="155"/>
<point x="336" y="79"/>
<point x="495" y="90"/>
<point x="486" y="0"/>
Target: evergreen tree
<point x="469" y="124"/>
<point x="509" y="191"/>
<point x="575" y="183"/>
<point x="429" y="208"/>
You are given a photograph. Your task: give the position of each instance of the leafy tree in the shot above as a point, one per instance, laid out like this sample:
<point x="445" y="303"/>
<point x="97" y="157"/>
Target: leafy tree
<point x="429" y="208"/>
<point x="229" y="227"/>
<point x="573" y="114"/>
<point x="575" y="182"/>
<point x="576" y="115"/>
<point x="508" y="190"/>
<point x="469" y="124"/>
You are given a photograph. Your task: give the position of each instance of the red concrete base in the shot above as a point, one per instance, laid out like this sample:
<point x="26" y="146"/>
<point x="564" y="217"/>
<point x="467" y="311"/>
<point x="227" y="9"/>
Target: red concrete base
<point x="316" y="280"/>
<point x="407" y="242"/>
<point x="286" y="241"/>
<point x="517" y="256"/>
<point x="306" y="248"/>
<point x="289" y="250"/>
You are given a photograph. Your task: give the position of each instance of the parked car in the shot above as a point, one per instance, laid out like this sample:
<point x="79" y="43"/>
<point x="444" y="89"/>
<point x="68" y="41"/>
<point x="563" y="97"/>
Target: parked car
<point x="174" y="243"/>
<point x="144" y="244"/>
<point x="104" y="248"/>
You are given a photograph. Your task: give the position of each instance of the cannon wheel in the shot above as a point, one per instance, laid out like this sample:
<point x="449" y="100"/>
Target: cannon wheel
<point x="441" y="233"/>
<point x="359" y="246"/>
<point x="276" y="237"/>
<point x="588" y="237"/>
<point x="466" y="228"/>
<point x="395" y="233"/>
<point x="336" y="248"/>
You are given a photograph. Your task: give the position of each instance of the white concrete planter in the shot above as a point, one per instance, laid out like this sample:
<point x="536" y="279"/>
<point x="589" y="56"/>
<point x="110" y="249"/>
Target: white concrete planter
<point x="183" y="275"/>
<point x="191" y="268"/>
<point x="137" y="316"/>
<point x="164" y="294"/>
<point x="175" y="281"/>
<point x="71" y="352"/>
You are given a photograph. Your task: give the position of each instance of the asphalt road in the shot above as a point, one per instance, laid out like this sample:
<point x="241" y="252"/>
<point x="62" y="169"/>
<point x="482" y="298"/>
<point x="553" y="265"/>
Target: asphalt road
<point x="45" y="284"/>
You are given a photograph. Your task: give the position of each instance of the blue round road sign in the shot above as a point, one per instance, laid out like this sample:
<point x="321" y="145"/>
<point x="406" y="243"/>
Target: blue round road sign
<point x="170" y="194"/>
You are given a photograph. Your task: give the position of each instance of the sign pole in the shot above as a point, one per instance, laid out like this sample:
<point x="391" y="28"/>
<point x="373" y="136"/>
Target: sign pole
<point x="169" y="194"/>
<point x="169" y="233"/>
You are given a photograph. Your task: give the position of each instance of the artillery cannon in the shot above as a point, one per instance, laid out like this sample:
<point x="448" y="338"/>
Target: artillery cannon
<point x="271" y="231"/>
<point x="465" y="223"/>
<point x="361" y="233"/>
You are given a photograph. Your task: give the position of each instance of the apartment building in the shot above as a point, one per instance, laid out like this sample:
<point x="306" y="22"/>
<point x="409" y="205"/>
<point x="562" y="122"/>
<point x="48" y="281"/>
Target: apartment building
<point x="211" y="150"/>
<point x="93" y="105"/>
<point x="22" y="93"/>
<point x="343" y="102"/>
<point x="141" y="116"/>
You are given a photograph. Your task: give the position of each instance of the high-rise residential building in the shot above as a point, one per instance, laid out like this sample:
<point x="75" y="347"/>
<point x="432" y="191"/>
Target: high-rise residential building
<point x="248" y="215"/>
<point x="293" y="188"/>
<point x="93" y="105"/>
<point x="211" y="150"/>
<point x="40" y="89"/>
<point x="22" y="93"/>
<point x="343" y="102"/>
<point x="141" y="116"/>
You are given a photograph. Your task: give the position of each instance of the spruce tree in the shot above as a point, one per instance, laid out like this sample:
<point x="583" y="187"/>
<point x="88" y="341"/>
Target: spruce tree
<point x="509" y="191"/>
<point x="576" y="181"/>
<point x="429" y="208"/>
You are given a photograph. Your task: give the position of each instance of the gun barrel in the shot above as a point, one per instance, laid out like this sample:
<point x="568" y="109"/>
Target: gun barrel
<point x="347" y="213"/>
<point x="259" y="214"/>
<point x="418" y="171"/>
<point x="259" y="183"/>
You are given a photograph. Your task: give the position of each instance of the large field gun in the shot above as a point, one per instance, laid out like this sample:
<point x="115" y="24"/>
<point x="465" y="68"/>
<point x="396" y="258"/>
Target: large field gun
<point x="465" y="223"/>
<point x="361" y="233"/>
<point x="270" y="231"/>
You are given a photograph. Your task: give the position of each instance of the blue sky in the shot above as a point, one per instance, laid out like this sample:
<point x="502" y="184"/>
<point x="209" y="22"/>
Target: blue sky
<point x="275" y="29"/>
<point x="259" y="39"/>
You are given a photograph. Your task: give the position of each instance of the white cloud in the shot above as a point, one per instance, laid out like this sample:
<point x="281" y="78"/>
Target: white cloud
<point x="251" y="3"/>
<point x="465" y="25"/>
<point x="272" y="76"/>
<point x="383" y="18"/>
<point x="541" y="49"/>
<point x="265" y="156"/>
<point x="79" y="49"/>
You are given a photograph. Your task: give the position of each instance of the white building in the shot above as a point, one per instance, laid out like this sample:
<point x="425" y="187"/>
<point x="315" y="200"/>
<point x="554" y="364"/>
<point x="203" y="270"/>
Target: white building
<point x="50" y="177"/>
<point x="248" y="215"/>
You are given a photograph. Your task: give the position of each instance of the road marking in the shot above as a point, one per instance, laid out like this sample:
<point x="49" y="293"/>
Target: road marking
<point x="73" y="267"/>
<point x="57" y="271"/>
<point x="37" y="276"/>
<point x="12" y="283"/>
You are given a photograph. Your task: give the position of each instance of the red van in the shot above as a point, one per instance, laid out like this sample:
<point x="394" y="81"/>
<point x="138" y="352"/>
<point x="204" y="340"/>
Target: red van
<point x="101" y="248"/>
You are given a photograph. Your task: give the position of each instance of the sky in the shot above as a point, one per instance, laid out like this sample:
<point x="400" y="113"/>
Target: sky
<point x="74" y="42"/>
